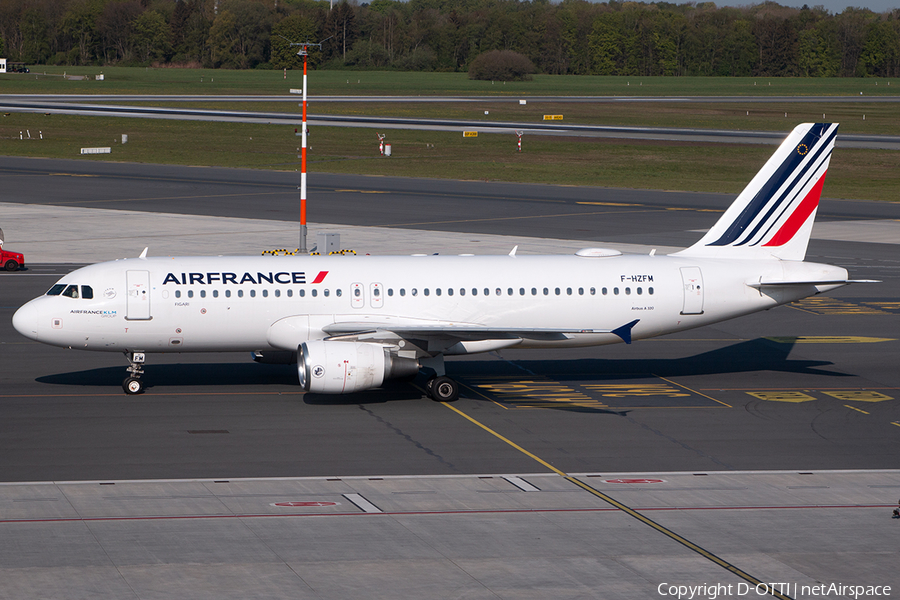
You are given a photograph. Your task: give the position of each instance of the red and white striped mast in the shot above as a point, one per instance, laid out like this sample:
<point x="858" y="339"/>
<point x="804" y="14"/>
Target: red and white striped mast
<point x="304" y="52"/>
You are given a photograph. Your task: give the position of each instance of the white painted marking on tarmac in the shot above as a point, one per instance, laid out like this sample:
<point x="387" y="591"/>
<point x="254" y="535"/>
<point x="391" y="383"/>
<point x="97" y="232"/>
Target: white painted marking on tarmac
<point x="361" y="503"/>
<point x="521" y="484"/>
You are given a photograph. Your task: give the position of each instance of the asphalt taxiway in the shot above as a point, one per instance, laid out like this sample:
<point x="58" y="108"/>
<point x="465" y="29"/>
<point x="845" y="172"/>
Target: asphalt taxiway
<point x="69" y="106"/>
<point x="539" y="482"/>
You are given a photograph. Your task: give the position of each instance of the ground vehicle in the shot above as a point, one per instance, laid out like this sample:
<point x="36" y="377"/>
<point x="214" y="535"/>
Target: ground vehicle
<point x="11" y="261"/>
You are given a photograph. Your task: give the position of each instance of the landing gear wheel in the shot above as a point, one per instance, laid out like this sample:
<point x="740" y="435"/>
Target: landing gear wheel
<point x="443" y="389"/>
<point x="133" y="385"/>
<point x="11" y="265"/>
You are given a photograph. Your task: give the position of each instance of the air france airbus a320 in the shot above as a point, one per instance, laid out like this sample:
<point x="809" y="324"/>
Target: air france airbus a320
<point x="354" y="321"/>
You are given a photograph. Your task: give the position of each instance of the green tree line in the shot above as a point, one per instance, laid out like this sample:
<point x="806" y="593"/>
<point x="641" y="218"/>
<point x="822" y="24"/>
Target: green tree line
<point x="572" y="36"/>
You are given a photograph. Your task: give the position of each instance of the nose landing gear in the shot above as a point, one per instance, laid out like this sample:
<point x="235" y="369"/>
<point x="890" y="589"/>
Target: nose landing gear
<point x="133" y="384"/>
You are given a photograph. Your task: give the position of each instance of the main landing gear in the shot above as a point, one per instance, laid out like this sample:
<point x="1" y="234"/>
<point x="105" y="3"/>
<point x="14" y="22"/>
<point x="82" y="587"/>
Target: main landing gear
<point x="439" y="387"/>
<point x="442" y="388"/>
<point x="133" y="384"/>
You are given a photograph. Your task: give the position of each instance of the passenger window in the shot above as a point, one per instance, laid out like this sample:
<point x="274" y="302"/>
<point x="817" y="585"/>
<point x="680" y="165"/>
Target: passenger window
<point x="449" y="291"/>
<point x="302" y="293"/>
<point x="616" y="291"/>
<point x="277" y="293"/>
<point x="290" y="293"/>
<point x="56" y="290"/>
<point x="377" y="292"/>
<point x="215" y="293"/>
<point x="71" y="291"/>
<point x="650" y="291"/>
<point x="581" y="291"/>
<point x="568" y="291"/>
<point x="509" y="292"/>
<point x="414" y="292"/>
<point x="628" y="291"/>
<point x="190" y="293"/>
<point x="390" y="291"/>
<point x="487" y="292"/>
<point x="178" y="293"/>
<point x="240" y="293"/>
<point x="265" y="293"/>
<point x="462" y="291"/>
<point x="253" y="293"/>
<point x="228" y="293"/>
<point x="87" y="292"/>
<point x="521" y="291"/>
<point x="557" y="291"/>
<point x="640" y="291"/>
<point x="534" y="291"/>
<point x="546" y="291"/>
<point x="327" y="292"/>
<point x="593" y="291"/>
<point x="338" y="292"/>
<point x="203" y="293"/>
<point x="425" y="291"/>
<point x="438" y="291"/>
<point x="498" y="292"/>
<point x="474" y="291"/>
<point x="604" y="291"/>
<point x="402" y="291"/>
<point x="357" y="292"/>
<point x="315" y="292"/>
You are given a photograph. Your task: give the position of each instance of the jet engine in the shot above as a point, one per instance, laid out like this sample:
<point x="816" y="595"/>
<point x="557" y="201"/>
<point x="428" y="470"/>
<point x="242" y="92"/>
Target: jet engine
<point x="332" y="367"/>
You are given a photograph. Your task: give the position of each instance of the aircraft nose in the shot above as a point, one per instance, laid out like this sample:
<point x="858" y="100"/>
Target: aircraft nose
<point x="25" y="320"/>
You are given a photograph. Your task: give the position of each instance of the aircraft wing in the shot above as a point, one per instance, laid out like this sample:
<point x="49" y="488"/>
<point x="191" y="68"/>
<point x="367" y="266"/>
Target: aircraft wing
<point x="440" y="336"/>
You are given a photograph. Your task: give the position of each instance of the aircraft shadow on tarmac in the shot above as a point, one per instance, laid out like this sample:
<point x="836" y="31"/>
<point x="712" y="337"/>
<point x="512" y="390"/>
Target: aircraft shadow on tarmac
<point x="747" y="356"/>
<point x="752" y="355"/>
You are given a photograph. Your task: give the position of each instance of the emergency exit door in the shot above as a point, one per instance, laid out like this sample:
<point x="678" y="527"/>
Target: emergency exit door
<point x="137" y="298"/>
<point x="692" y="281"/>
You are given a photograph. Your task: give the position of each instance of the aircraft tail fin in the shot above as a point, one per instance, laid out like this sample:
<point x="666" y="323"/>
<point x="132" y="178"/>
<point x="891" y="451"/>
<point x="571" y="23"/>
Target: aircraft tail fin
<point x="774" y="215"/>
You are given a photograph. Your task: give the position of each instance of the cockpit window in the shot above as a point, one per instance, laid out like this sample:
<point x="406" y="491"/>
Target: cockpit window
<point x="71" y="291"/>
<point x="87" y="292"/>
<point x="56" y="290"/>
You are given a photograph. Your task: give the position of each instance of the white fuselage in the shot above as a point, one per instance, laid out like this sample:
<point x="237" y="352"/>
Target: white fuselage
<point x="200" y="304"/>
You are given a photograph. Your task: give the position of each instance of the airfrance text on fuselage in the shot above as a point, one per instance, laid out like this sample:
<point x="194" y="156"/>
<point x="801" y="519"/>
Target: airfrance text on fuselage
<point x="283" y="277"/>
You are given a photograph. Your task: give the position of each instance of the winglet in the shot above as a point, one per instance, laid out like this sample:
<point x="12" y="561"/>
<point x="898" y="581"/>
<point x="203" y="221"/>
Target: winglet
<point x="144" y="253"/>
<point x="513" y="251"/>
<point x="624" y="331"/>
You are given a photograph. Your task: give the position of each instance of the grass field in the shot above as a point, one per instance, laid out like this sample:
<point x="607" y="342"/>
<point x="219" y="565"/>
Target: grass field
<point x="125" y="80"/>
<point x="857" y="174"/>
<point x="862" y="118"/>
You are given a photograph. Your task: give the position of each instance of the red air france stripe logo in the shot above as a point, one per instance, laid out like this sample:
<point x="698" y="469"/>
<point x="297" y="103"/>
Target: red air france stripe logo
<point x="320" y="276"/>
<point x="799" y="216"/>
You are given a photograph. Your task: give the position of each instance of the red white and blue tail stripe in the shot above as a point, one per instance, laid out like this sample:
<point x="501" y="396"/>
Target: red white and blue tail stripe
<point x="773" y="216"/>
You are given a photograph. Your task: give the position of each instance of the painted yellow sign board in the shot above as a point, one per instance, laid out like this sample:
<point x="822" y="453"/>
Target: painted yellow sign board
<point x="553" y="117"/>
<point x="470" y="134"/>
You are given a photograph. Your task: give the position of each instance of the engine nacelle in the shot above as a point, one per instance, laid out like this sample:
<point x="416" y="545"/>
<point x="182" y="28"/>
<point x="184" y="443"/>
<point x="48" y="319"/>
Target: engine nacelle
<point x="332" y="367"/>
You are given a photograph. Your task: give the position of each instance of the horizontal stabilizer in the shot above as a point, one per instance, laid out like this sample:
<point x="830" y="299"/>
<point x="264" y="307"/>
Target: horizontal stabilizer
<point x="760" y="284"/>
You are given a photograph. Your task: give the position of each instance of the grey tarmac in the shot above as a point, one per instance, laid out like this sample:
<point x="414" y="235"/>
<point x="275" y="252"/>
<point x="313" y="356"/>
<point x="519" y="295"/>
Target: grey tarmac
<point x="774" y="436"/>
